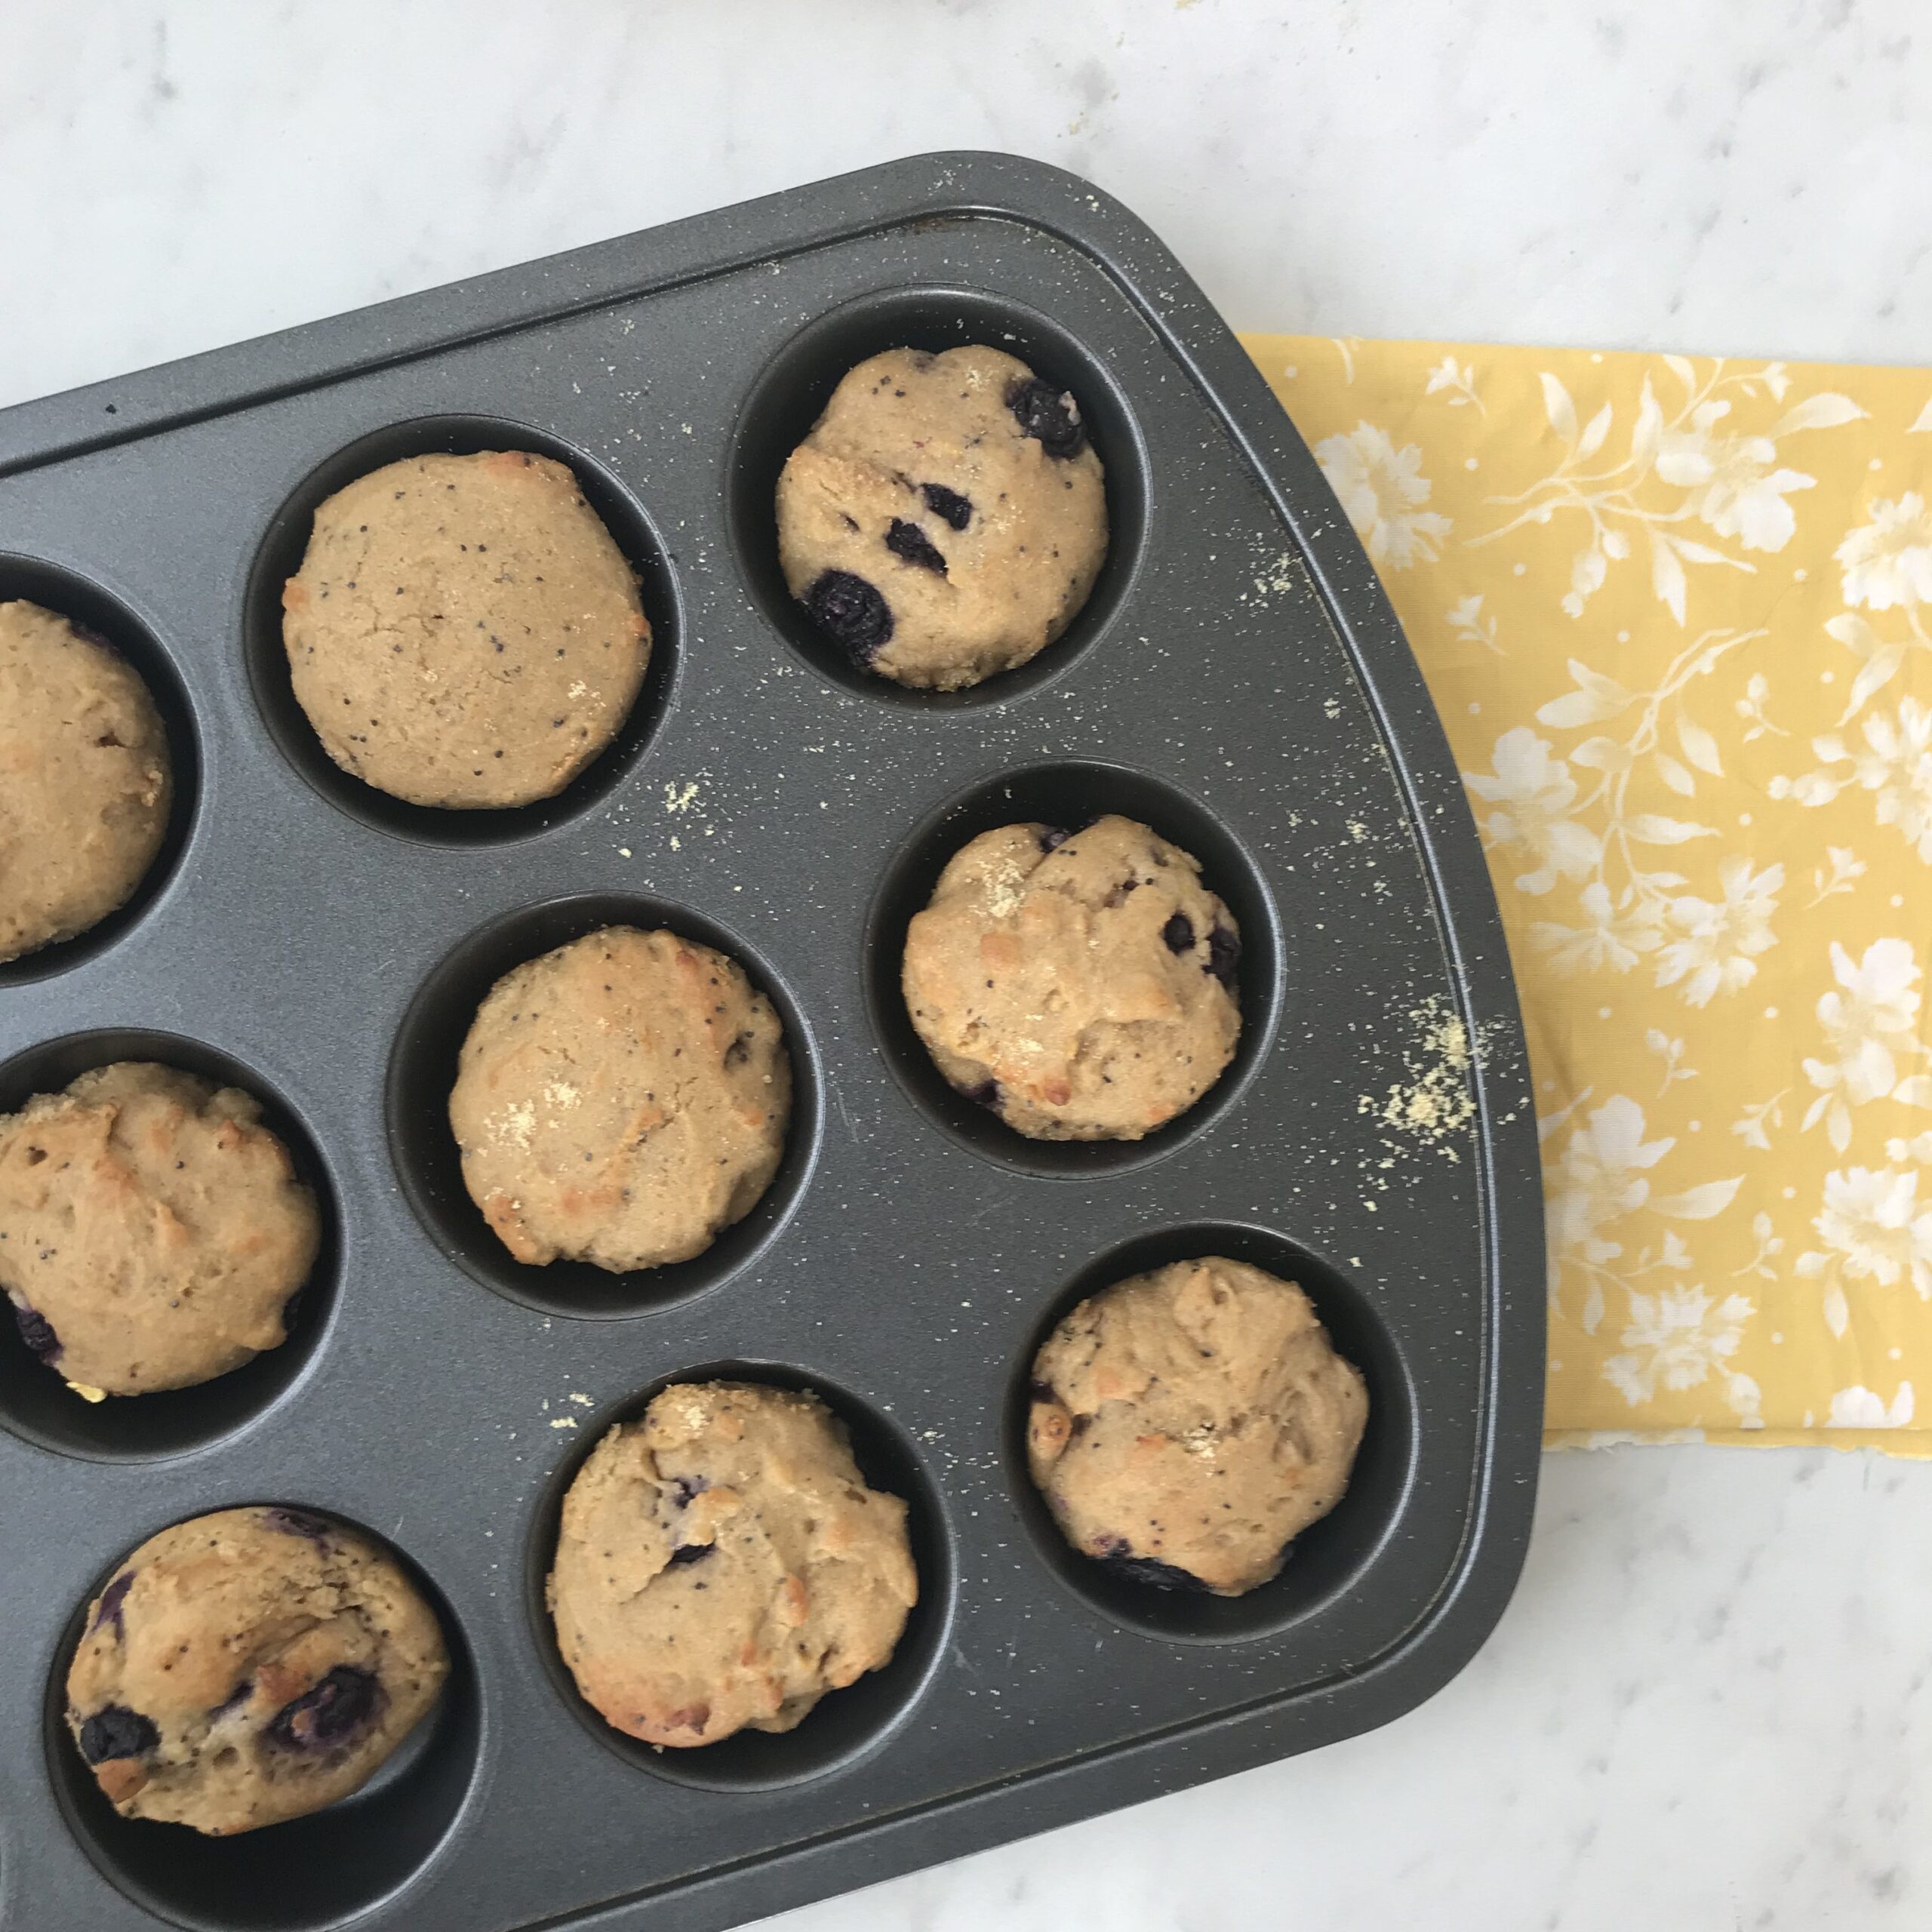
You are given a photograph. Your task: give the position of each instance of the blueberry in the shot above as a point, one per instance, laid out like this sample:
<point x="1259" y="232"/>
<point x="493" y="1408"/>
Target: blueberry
<point x="957" y="510"/>
<point x="1049" y="415"/>
<point x="112" y="1598"/>
<point x="345" y="1700"/>
<point x="684" y="1489"/>
<point x="986" y="1094"/>
<point x="1223" y="956"/>
<point x="1177" y="932"/>
<point x="117" y="1732"/>
<point x="691" y="1552"/>
<point x="851" y="613"/>
<point x="37" y="1332"/>
<point x="908" y="541"/>
<point x="297" y="1523"/>
<point x="1148" y="1569"/>
<point x="1052" y="838"/>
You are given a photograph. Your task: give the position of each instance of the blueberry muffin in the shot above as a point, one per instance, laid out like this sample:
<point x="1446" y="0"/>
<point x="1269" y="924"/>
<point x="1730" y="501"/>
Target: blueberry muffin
<point x="153" y="1231"/>
<point x="463" y="631"/>
<point x="1187" y="1425"/>
<point x="247" y="1667"/>
<point x="621" y="1100"/>
<point x="721" y="1565"/>
<point x="1084" y="987"/>
<point x="945" y="518"/>
<point x="84" y="779"/>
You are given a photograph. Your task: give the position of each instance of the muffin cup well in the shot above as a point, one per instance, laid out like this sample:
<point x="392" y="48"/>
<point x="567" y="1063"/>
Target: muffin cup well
<point x="845" y="1725"/>
<point x="321" y="1870"/>
<point x="37" y="1403"/>
<point x="107" y="618"/>
<point x="1070" y="795"/>
<point x="797" y="382"/>
<point x="423" y="1070"/>
<point x="278" y="556"/>
<point x="1330" y="1557"/>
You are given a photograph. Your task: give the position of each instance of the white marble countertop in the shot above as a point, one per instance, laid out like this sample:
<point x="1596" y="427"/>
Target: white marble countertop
<point x="1706" y="1707"/>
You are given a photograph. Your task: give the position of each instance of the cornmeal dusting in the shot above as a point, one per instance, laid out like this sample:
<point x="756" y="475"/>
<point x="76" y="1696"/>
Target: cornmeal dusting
<point x="1433" y="1105"/>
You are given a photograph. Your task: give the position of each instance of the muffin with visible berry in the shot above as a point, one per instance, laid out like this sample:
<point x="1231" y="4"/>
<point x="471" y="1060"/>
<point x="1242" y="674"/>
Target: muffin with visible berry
<point x="722" y="1565"/>
<point x="249" y="1666"/>
<point x="1084" y="986"/>
<point x="85" y="782"/>
<point x="153" y="1231"/>
<point x="1187" y="1425"/>
<point x="945" y="518"/>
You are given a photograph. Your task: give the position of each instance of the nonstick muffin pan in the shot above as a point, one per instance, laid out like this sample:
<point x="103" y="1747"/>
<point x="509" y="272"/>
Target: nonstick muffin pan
<point x="1237" y="680"/>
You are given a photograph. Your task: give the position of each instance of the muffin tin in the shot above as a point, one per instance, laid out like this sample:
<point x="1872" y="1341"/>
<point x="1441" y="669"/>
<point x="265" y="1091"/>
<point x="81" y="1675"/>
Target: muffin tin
<point x="1237" y="680"/>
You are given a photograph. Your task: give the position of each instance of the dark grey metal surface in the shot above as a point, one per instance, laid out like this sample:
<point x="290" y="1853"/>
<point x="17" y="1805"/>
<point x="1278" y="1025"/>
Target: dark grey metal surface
<point x="1239" y="681"/>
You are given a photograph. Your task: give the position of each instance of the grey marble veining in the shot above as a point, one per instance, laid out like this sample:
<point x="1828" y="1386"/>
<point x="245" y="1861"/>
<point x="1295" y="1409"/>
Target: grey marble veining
<point x="1706" y="1708"/>
<point x="1713" y="174"/>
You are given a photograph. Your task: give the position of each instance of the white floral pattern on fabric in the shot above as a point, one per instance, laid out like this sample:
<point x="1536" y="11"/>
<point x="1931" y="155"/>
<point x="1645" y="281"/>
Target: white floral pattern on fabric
<point x="1733" y="484"/>
<point x="1871" y="1026"/>
<point x="1383" y="489"/>
<point x="1677" y="617"/>
<point x="1873" y="1229"/>
<point x="1736" y="487"/>
<point x="1598" y="1179"/>
<point x="1722" y="937"/>
<point x="1535" y="791"/>
<point x="1896" y="764"/>
<point x="1860" y="1407"/>
<point x="1676" y="1340"/>
<point x="1887" y="562"/>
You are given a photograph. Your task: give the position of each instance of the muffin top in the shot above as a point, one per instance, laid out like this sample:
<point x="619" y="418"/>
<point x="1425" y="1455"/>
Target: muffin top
<point x="1084" y="986"/>
<point x="85" y="781"/>
<point x="153" y="1231"/>
<point x="945" y="518"/>
<point x="621" y="1100"/>
<point x="1188" y="1424"/>
<point x="463" y="631"/>
<point x="722" y="1565"/>
<point x="248" y="1666"/>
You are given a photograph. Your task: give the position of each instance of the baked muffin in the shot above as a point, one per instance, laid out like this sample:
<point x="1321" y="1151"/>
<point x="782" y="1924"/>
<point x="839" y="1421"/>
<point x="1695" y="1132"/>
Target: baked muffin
<point x="1186" y="1425"/>
<point x="153" y="1231"/>
<point x="1084" y="987"/>
<point x="85" y="781"/>
<point x="463" y="631"/>
<point x="945" y="518"/>
<point x="621" y="1100"/>
<point x="249" y="1666"/>
<point x="721" y="1565"/>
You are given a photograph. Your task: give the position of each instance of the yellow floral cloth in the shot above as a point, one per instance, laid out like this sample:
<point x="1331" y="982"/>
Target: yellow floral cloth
<point x="1677" y="616"/>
